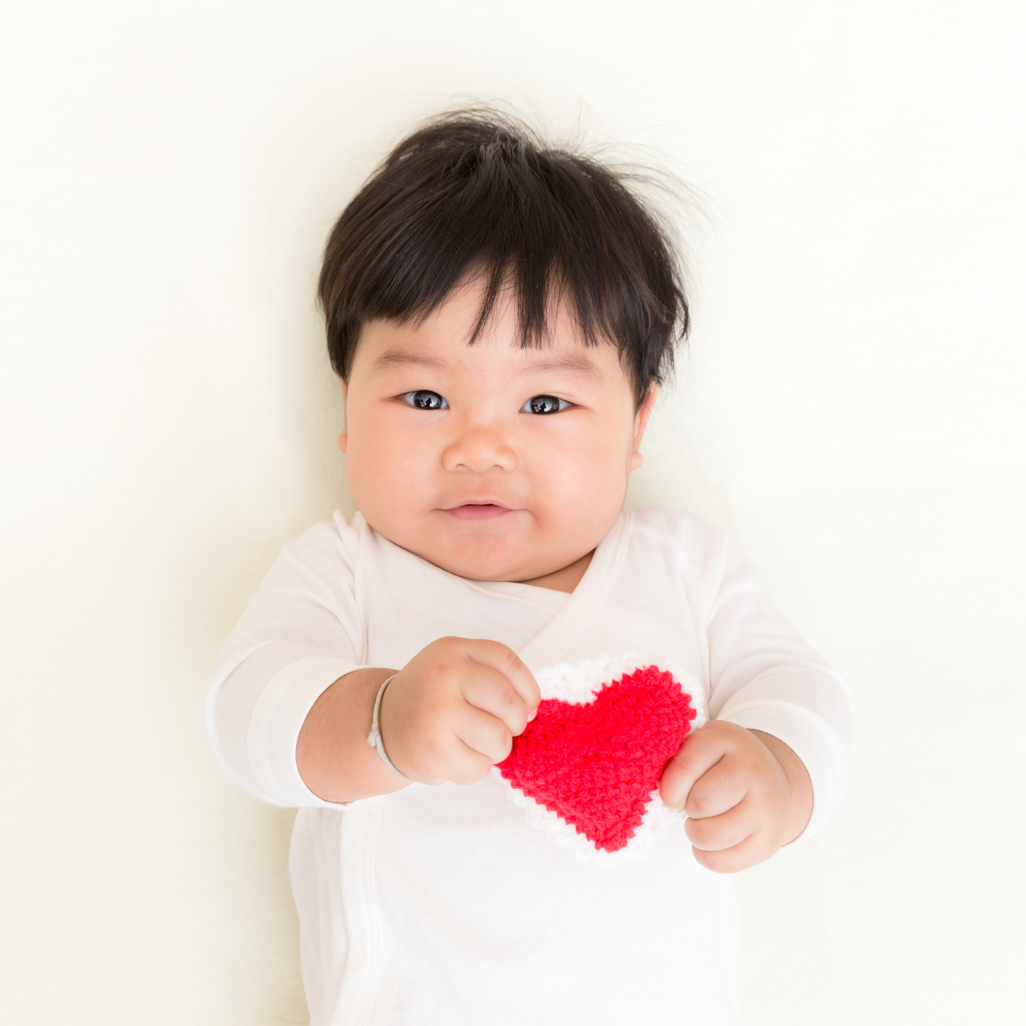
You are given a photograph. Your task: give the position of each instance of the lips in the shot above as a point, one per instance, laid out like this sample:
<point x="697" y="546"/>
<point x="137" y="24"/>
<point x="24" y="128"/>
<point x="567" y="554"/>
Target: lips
<point x="478" y="511"/>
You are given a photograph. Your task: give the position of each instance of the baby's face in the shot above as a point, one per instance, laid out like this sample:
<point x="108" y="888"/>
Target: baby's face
<point x="493" y="462"/>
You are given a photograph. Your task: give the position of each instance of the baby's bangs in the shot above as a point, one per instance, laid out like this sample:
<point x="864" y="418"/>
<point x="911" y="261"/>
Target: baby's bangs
<point x="471" y="196"/>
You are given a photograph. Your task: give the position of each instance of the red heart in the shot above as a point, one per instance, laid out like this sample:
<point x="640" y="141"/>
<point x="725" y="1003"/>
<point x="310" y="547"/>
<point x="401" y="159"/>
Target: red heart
<point x="597" y="765"/>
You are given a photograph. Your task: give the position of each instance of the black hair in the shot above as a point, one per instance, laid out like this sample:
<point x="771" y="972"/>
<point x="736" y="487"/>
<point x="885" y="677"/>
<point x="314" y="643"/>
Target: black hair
<point x="476" y="191"/>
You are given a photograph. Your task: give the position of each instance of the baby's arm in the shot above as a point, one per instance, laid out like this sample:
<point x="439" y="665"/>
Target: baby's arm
<point x="772" y="762"/>
<point x="290" y="708"/>
<point x="448" y="715"/>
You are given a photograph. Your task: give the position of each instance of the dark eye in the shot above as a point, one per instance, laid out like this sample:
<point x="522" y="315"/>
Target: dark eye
<point x="424" y="400"/>
<point x="544" y="404"/>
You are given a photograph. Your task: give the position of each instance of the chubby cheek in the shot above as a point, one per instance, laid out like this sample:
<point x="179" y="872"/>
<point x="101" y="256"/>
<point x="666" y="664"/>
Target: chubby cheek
<point x="584" y="483"/>
<point x="386" y="470"/>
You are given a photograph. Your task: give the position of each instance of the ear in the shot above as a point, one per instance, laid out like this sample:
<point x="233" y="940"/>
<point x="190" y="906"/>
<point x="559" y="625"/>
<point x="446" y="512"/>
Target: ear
<point x="343" y="438"/>
<point x="640" y="422"/>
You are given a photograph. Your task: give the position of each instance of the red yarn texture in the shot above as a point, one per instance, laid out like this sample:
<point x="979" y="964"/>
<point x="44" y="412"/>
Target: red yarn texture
<point x="598" y="765"/>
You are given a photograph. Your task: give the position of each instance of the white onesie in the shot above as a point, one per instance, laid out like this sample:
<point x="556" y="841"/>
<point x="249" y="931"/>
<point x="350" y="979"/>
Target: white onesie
<point x="447" y="905"/>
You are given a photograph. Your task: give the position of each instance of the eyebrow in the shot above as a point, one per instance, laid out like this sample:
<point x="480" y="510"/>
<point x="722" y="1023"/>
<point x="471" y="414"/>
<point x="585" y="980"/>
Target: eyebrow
<point x="577" y="364"/>
<point x="397" y="358"/>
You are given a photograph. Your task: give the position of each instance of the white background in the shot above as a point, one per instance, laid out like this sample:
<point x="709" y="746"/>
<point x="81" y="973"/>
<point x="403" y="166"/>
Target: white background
<point x="850" y="410"/>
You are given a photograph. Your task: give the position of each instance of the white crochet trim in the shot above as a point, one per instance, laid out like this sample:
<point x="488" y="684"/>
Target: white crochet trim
<point x="578" y="683"/>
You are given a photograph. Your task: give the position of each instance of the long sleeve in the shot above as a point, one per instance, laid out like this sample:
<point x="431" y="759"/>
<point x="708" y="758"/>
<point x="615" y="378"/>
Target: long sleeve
<point x="764" y="676"/>
<point x="298" y="635"/>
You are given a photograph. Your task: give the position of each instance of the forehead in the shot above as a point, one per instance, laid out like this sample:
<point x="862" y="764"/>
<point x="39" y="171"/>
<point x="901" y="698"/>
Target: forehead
<point x="445" y="339"/>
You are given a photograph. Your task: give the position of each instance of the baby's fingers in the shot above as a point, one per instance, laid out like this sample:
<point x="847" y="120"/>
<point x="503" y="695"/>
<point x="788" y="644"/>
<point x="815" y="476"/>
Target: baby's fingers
<point x="717" y="833"/>
<point x="483" y="733"/>
<point x="467" y="766"/>
<point x="702" y="749"/>
<point x="492" y="692"/>
<point x="750" y="852"/>
<point x="502" y="658"/>
<point x="720" y="788"/>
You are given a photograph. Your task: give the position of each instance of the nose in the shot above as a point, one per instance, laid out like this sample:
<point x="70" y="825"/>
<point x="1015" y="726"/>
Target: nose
<point x="479" y="448"/>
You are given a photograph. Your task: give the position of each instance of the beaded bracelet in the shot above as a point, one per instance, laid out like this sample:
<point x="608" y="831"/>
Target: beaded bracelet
<point x="374" y="738"/>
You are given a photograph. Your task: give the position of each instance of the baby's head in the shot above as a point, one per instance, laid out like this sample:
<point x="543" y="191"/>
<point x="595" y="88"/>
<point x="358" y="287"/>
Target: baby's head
<point x="500" y="314"/>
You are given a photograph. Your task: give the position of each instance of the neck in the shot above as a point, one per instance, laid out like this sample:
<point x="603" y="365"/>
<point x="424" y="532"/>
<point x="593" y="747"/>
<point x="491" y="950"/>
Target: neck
<point x="565" y="579"/>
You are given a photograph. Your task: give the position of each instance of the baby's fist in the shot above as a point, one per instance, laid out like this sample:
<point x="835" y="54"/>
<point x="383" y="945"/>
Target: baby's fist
<point x="737" y="795"/>
<point x="455" y="708"/>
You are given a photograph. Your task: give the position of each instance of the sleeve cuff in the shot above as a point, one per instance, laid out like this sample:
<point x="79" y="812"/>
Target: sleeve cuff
<point x="815" y="743"/>
<point x="277" y="719"/>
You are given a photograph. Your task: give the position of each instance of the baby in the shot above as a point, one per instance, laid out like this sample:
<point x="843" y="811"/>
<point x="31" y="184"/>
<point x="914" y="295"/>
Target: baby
<point x="528" y="731"/>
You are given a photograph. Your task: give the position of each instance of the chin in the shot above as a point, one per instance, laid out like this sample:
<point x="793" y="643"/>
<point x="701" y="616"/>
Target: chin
<point x="480" y="562"/>
<point x="482" y="570"/>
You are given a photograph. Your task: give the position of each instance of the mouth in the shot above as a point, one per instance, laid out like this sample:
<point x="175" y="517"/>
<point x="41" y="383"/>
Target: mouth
<point x="478" y="511"/>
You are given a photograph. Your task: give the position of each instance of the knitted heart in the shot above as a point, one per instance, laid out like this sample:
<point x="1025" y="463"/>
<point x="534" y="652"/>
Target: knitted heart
<point x="596" y="763"/>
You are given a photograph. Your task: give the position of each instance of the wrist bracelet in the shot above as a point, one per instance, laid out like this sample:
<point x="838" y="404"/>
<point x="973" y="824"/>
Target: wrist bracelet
<point x="374" y="738"/>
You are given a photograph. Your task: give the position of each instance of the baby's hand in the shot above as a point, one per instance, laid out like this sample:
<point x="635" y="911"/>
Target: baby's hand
<point x="454" y="709"/>
<point x="742" y="805"/>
